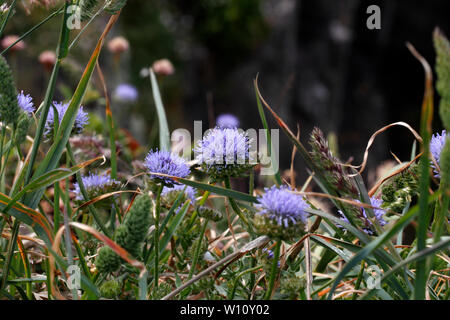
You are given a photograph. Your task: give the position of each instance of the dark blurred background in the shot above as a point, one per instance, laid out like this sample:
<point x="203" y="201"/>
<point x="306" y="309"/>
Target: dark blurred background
<point x="318" y="65"/>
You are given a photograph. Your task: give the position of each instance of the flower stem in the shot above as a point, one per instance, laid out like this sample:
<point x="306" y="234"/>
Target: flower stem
<point x="274" y="271"/>
<point x="236" y="209"/>
<point x="156" y="236"/>
<point x="197" y="249"/>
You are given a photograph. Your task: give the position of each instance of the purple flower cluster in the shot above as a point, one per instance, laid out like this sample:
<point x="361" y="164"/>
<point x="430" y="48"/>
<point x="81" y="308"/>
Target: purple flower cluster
<point x="227" y="120"/>
<point x="126" y="93"/>
<point x="437" y="143"/>
<point x="25" y="102"/>
<point x="283" y="206"/>
<point x="167" y="163"/>
<point x="379" y="213"/>
<point x="95" y="185"/>
<point x="81" y="119"/>
<point x="223" y="146"/>
<point x="190" y="191"/>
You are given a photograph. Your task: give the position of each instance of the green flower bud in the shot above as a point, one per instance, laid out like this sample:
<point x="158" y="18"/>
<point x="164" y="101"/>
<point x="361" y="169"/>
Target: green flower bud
<point x="22" y="128"/>
<point x="9" y="109"/>
<point x="110" y="289"/>
<point x="107" y="260"/>
<point x="209" y="213"/>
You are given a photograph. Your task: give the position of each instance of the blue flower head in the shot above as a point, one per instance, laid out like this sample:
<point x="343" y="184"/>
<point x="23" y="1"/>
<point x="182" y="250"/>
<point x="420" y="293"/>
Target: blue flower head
<point x="97" y="185"/>
<point x="82" y="118"/>
<point x="167" y="163"/>
<point x="25" y="102"/>
<point x="227" y="120"/>
<point x="437" y="144"/>
<point x="126" y="92"/>
<point x="282" y="206"/>
<point x="173" y="192"/>
<point x="224" y="152"/>
<point x="282" y="213"/>
<point x="379" y="215"/>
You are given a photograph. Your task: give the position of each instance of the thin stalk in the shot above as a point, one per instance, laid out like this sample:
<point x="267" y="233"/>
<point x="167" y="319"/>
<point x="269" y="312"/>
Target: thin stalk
<point x="85" y="27"/>
<point x="156" y="235"/>
<point x="91" y="207"/>
<point x="11" y="9"/>
<point x="2" y="139"/>
<point x="62" y="53"/>
<point x="197" y="249"/>
<point x="236" y="280"/>
<point x="358" y="281"/>
<point x="195" y="213"/>
<point x="56" y="212"/>
<point x="10" y="253"/>
<point x="236" y="209"/>
<point x="273" y="271"/>
<point x="26" y="34"/>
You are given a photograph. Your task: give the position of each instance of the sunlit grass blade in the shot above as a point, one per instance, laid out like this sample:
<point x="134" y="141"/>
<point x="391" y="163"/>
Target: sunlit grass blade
<point x="268" y="136"/>
<point x="164" y="136"/>
<point x="62" y="136"/>
<point x="424" y="180"/>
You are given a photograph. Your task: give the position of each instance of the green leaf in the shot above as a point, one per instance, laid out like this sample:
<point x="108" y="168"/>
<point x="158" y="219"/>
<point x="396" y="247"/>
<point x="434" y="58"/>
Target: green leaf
<point x="164" y="136"/>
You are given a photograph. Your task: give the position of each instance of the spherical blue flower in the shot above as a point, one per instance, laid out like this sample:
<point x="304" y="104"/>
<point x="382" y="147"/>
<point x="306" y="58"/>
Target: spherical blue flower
<point x="126" y="93"/>
<point x="95" y="185"/>
<point x="81" y="119"/>
<point x="379" y="214"/>
<point x="227" y="120"/>
<point x="167" y="163"/>
<point x="25" y="102"/>
<point x="436" y="145"/>
<point x="282" y="206"/>
<point x="224" y="152"/>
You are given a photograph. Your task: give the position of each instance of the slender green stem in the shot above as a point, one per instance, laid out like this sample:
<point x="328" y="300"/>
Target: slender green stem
<point x="273" y="271"/>
<point x="85" y="27"/>
<point x="358" y="281"/>
<point x="236" y="281"/>
<point x="156" y="235"/>
<point x="91" y="207"/>
<point x="2" y="139"/>
<point x="11" y="9"/>
<point x="62" y="53"/>
<point x="26" y="34"/>
<point x="10" y="252"/>
<point x="195" y="213"/>
<point x="56" y="213"/>
<point x="197" y="249"/>
<point x="236" y="209"/>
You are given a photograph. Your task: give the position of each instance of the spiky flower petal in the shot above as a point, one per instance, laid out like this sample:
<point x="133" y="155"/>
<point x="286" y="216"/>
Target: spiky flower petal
<point x="379" y="215"/>
<point x="224" y="152"/>
<point x="82" y="118"/>
<point x="167" y="163"/>
<point x="283" y="212"/>
<point x="437" y="144"/>
<point x="227" y="120"/>
<point x="97" y="185"/>
<point x="25" y="103"/>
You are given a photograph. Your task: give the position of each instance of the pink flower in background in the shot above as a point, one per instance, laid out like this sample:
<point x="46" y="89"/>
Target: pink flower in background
<point x="163" y="67"/>
<point x="9" y="40"/>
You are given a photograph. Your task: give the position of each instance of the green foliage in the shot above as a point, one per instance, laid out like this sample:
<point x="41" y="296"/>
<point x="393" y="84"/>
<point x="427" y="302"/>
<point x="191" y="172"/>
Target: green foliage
<point x="107" y="260"/>
<point x="9" y="109"/>
<point x="110" y="289"/>
<point x="114" y="6"/>
<point x="445" y="166"/>
<point x="209" y="213"/>
<point x="22" y="128"/>
<point x="88" y="8"/>
<point x="442" y="47"/>
<point x="133" y="230"/>
<point x="401" y="190"/>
